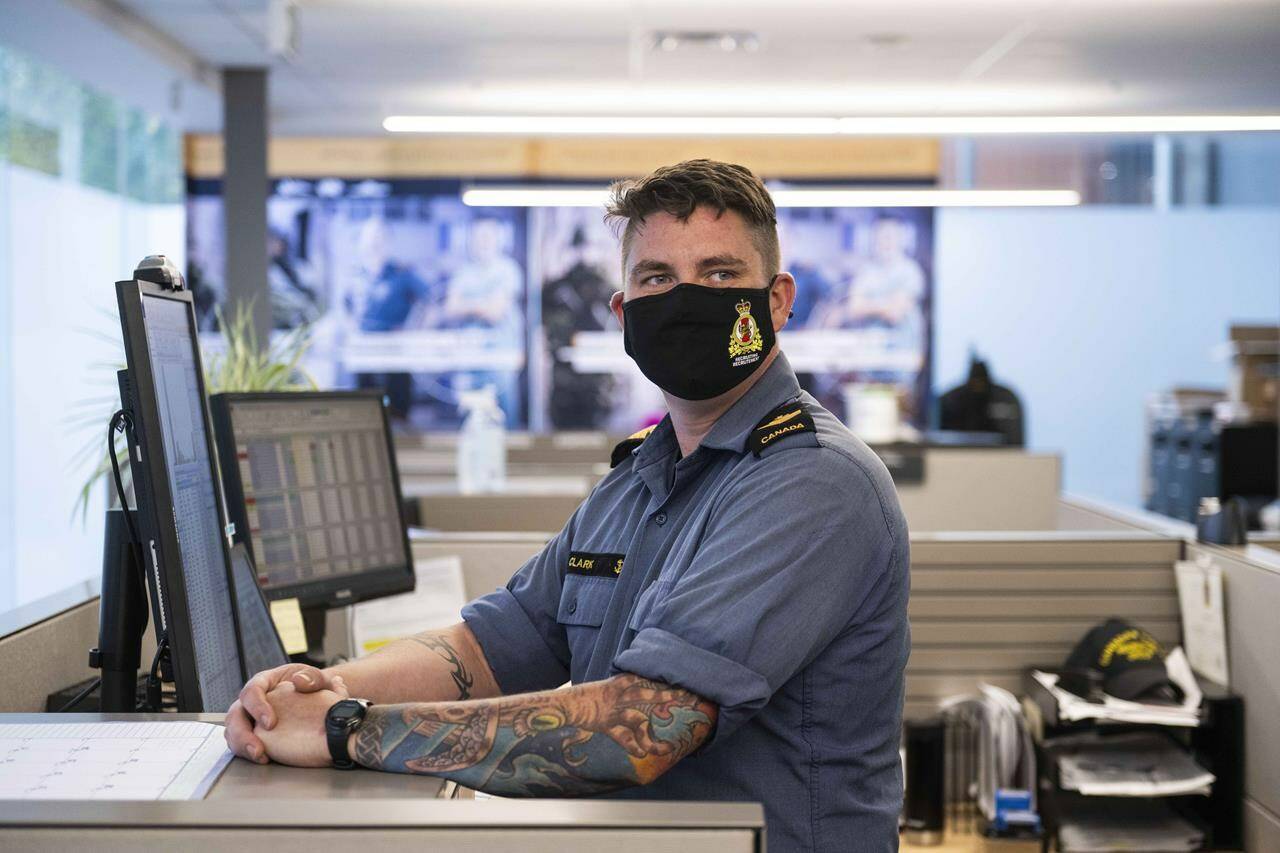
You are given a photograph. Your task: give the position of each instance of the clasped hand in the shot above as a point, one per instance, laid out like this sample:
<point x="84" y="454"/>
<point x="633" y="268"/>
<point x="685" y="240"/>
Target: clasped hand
<point x="280" y="716"/>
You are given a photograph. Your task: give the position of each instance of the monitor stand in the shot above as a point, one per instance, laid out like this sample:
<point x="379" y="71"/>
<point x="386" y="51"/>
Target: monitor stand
<point x="313" y="619"/>
<point x="122" y="616"/>
<point x="122" y="613"/>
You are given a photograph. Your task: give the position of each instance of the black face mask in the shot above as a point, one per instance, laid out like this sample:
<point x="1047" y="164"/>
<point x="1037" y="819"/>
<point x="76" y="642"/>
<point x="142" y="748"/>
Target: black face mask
<point x="697" y="342"/>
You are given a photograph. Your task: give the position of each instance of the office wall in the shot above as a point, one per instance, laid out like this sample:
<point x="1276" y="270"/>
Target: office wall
<point x="88" y="186"/>
<point x="1085" y="311"/>
<point x="76" y="242"/>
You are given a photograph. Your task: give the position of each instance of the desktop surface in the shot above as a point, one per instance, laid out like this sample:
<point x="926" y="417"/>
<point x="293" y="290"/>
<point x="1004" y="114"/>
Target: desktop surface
<point x="244" y="780"/>
<point x="284" y="809"/>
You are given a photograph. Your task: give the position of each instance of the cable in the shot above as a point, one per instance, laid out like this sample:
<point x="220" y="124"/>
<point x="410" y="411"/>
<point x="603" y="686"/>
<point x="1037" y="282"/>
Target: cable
<point x="79" y="697"/>
<point x="121" y="421"/>
<point x="154" y="700"/>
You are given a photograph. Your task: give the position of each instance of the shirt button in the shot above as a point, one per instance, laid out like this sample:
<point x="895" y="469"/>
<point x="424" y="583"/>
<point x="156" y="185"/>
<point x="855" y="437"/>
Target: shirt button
<point x="660" y="518"/>
<point x="573" y="606"/>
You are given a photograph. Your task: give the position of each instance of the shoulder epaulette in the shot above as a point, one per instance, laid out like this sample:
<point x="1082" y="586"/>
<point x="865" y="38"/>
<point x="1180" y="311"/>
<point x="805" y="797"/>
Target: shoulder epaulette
<point x="788" y="419"/>
<point x="623" y="449"/>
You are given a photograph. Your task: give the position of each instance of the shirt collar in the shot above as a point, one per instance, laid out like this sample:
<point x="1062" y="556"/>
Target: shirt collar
<point x="777" y="386"/>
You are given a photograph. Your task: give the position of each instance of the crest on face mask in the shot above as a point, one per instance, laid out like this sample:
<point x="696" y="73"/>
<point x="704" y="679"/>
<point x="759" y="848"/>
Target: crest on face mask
<point x="745" y="342"/>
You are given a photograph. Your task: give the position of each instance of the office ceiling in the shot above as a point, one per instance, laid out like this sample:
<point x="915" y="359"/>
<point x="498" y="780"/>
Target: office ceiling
<point x="360" y="60"/>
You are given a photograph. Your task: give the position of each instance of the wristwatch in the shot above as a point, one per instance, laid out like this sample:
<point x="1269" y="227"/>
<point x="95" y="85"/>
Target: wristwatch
<point x="341" y="720"/>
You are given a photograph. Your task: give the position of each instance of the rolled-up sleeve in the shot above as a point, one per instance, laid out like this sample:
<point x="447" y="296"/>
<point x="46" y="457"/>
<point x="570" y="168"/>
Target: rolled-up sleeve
<point x="791" y="556"/>
<point x="516" y="625"/>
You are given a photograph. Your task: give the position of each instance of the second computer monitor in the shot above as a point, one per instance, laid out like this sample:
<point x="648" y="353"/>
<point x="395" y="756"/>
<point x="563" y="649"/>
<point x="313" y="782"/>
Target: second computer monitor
<point x="314" y="493"/>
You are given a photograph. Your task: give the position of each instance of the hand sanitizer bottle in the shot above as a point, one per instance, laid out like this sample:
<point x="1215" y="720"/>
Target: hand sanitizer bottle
<point x="482" y="446"/>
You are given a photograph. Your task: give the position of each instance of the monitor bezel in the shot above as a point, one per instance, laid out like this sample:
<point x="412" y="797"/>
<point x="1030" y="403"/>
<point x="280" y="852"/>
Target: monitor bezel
<point x="345" y="589"/>
<point x="159" y="532"/>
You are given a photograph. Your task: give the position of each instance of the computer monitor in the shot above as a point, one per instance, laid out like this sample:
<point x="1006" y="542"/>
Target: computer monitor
<point x="314" y="492"/>
<point x="180" y="513"/>
<point x="258" y="636"/>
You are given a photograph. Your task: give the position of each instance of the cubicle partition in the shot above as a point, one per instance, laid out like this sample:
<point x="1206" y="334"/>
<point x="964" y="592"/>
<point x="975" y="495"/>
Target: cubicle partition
<point x="983" y="606"/>
<point x="986" y="606"/>
<point x="523" y="448"/>
<point x="1251" y="587"/>
<point x="960" y="489"/>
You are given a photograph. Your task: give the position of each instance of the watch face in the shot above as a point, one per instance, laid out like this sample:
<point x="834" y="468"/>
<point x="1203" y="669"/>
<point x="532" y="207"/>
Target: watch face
<point x="345" y="711"/>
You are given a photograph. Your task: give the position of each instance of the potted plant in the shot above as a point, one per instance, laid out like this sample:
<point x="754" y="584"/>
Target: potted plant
<point x="238" y="364"/>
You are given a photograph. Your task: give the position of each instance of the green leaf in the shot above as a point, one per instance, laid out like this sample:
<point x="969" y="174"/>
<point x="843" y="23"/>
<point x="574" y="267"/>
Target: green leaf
<point x="244" y="366"/>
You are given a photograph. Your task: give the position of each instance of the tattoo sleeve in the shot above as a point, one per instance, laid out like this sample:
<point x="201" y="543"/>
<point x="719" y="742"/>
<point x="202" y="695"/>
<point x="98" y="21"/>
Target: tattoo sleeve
<point x="462" y="679"/>
<point x="587" y="739"/>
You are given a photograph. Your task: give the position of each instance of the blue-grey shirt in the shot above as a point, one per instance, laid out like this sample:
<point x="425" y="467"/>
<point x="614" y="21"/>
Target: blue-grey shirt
<point x="774" y="585"/>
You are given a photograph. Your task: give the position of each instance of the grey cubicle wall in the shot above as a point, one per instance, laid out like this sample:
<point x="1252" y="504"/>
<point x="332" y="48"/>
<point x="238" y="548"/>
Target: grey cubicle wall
<point x="963" y="489"/>
<point x="983" y="489"/>
<point x="488" y="559"/>
<point x="524" y="447"/>
<point x="983" y="606"/>
<point x="1251" y="585"/>
<point x="986" y="606"/>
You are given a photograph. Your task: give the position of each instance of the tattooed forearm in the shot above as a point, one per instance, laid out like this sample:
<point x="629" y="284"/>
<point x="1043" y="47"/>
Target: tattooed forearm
<point x="589" y="739"/>
<point x="462" y="679"/>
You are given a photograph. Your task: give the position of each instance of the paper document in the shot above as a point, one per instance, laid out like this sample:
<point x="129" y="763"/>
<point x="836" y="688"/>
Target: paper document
<point x="1072" y="707"/>
<point x="287" y="614"/>
<point x="177" y="760"/>
<point x="1204" y="624"/>
<point x="436" y="602"/>
<point x="1102" y="827"/>
<point x="1145" y="764"/>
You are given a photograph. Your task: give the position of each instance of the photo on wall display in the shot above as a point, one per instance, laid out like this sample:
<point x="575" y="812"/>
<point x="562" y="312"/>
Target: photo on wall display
<point x="585" y="378"/>
<point x="864" y="296"/>
<point x="402" y="285"/>
<point x="861" y="317"/>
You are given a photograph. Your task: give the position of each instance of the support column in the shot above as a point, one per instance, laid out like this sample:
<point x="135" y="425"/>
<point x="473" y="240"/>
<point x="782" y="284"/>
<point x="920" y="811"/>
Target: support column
<point x="244" y="194"/>
<point x="1162" y="172"/>
<point x="962" y="150"/>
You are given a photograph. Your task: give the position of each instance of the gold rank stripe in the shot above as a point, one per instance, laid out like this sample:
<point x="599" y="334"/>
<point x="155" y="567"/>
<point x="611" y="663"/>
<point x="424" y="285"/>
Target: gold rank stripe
<point x="781" y="419"/>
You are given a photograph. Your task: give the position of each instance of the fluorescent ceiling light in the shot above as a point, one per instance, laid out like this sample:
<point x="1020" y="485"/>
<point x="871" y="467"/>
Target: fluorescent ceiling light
<point x="613" y="125"/>
<point x="549" y="196"/>
<point x="908" y="197"/>
<point x="819" y="126"/>
<point x="980" y="125"/>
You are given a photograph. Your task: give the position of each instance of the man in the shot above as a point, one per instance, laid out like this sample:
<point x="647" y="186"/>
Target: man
<point x="572" y="302"/>
<point x="729" y="602"/>
<point x="485" y="293"/>
<point x="391" y="289"/>
<point x="390" y="292"/>
<point x="888" y="289"/>
<point x="293" y="302"/>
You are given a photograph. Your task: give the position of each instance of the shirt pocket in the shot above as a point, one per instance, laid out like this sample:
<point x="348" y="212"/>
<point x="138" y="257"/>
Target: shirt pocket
<point x="583" y="603"/>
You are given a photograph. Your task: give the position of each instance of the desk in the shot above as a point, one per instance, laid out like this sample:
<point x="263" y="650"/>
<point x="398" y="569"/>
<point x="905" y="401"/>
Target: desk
<point x="288" y="810"/>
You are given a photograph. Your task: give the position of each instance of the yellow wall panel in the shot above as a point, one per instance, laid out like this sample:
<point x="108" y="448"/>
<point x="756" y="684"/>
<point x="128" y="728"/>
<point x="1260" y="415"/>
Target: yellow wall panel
<point x="576" y="157"/>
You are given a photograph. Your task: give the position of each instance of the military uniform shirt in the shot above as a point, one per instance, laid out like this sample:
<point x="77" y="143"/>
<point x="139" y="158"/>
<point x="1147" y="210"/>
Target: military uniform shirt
<point x="774" y="585"/>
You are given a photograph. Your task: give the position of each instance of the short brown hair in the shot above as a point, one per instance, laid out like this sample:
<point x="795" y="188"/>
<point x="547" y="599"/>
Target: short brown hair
<point x="681" y="189"/>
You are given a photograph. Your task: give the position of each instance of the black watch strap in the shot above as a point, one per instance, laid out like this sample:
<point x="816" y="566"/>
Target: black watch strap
<point x="342" y="719"/>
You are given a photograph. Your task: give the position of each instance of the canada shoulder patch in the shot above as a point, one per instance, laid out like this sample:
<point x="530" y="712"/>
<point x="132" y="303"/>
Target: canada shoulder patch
<point x="623" y="448"/>
<point x="788" y="419"/>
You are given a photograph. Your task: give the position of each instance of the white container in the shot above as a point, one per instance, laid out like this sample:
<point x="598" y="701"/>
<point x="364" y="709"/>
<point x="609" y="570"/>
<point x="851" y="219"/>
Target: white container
<point x="871" y="411"/>
<point x="482" y="445"/>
